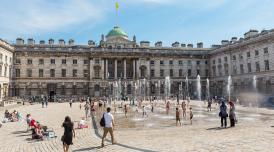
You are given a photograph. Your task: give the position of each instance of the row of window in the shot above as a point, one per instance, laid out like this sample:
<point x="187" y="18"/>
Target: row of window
<point x="52" y="73"/>
<point x="248" y="55"/>
<point x="52" y="61"/>
<point x="171" y="72"/>
<point x="6" y="58"/>
<point x="180" y="62"/>
<point x="5" y="71"/>
<point x="242" y="70"/>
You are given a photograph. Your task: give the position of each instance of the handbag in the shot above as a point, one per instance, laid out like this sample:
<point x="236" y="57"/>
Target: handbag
<point x="102" y="121"/>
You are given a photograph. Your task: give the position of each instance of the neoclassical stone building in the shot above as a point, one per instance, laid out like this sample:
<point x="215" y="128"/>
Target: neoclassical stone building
<point x="6" y="60"/>
<point x="67" y="69"/>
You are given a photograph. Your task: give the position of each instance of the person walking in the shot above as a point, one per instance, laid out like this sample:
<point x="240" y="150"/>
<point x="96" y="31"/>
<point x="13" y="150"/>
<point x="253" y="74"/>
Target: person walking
<point x="184" y="108"/>
<point x="70" y="103"/>
<point x="108" y="126"/>
<point x="178" y="119"/>
<point x="223" y="114"/>
<point x="69" y="133"/>
<point x="87" y="106"/>
<point x="232" y="115"/>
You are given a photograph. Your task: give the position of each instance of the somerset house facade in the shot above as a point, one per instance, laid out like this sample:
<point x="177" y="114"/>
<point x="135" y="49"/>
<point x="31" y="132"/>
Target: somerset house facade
<point x="60" y="69"/>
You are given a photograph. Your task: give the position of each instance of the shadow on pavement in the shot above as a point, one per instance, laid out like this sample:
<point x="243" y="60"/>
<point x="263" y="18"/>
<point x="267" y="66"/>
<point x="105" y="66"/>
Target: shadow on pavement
<point x="19" y="132"/>
<point x="87" y="149"/>
<point x="217" y="128"/>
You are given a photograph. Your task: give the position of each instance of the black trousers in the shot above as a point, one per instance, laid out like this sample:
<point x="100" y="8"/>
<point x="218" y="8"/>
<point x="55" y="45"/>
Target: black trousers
<point x="232" y="122"/>
<point x="223" y="121"/>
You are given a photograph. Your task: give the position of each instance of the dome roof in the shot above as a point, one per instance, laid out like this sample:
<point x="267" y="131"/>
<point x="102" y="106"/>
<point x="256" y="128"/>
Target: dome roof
<point x="117" y="32"/>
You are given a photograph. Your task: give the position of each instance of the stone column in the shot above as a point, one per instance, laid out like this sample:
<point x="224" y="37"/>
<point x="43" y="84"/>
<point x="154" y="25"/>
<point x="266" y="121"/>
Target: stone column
<point x="107" y="75"/>
<point x="115" y="69"/>
<point x="133" y="77"/>
<point x="91" y="69"/>
<point x="137" y="69"/>
<point x="125" y="68"/>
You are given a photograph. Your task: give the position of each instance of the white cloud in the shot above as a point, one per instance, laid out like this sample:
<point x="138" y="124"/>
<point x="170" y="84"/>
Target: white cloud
<point x="30" y="17"/>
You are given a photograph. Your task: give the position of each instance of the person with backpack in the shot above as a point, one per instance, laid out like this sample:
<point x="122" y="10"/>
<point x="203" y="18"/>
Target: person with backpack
<point x="223" y="114"/>
<point x="107" y="122"/>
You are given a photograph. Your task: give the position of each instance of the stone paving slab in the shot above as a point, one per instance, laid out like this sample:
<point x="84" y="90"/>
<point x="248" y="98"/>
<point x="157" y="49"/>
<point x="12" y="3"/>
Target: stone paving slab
<point x="252" y="133"/>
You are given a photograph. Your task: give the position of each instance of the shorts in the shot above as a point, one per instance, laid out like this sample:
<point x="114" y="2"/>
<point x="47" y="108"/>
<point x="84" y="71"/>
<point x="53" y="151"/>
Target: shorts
<point x="178" y="119"/>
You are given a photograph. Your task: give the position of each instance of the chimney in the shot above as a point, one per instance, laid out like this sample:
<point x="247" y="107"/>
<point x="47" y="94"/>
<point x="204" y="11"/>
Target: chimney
<point x="91" y="43"/>
<point x="200" y="45"/>
<point x="250" y="33"/>
<point x="144" y="43"/>
<point x="42" y="42"/>
<point x="225" y="42"/>
<point x="71" y="42"/>
<point x="190" y="45"/>
<point x="19" y="41"/>
<point x="61" y="42"/>
<point x="183" y="45"/>
<point x="31" y="41"/>
<point x="233" y="39"/>
<point x="51" y="41"/>
<point x="159" y="44"/>
<point x="175" y="44"/>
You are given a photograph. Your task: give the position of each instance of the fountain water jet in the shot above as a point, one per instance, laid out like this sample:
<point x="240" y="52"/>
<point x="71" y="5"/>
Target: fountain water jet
<point x="207" y="88"/>
<point x="199" y="87"/>
<point x="229" y="82"/>
<point x="167" y="86"/>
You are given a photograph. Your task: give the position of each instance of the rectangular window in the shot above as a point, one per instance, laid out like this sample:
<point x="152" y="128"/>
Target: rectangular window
<point x="29" y="61"/>
<point x="234" y="69"/>
<point x="198" y="72"/>
<point x="205" y="62"/>
<point x="257" y="66"/>
<point x="266" y="50"/>
<point x="74" y="73"/>
<point x="162" y="73"/>
<point x="234" y="58"/>
<point x="249" y="67"/>
<point x="17" y="61"/>
<point x="189" y="73"/>
<point x="0" y="70"/>
<point x="189" y="63"/>
<point x="52" y="61"/>
<point x="171" y="72"/>
<point x="17" y="73"/>
<point x="206" y="72"/>
<point x="41" y="73"/>
<point x="29" y="73"/>
<point x="242" y="68"/>
<point x="213" y="62"/>
<point x="180" y="62"/>
<point x="64" y="61"/>
<point x="52" y="73"/>
<point x="5" y="72"/>
<point x="151" y="62"/>
<point x="225" y="59"/>
<point x="256" y="52"/>
<point x="162" y="62"/>
<point x="74" y="61"/>
<point x="86" y="73"/>
<point x="198" y="62"/>
<point x="170" y="62"/>
<point x="86" y="61"/>
<point x="180" y="72"/>
<point x="64" y="72"/>
<point x="266" y="65"/>
<point x="248" y="54"/>
<point x="97" y="72"/>
<point x="152" y="73"/>
<point x="97" y="61"/>
<point x="41" y="61"/>
<point x="219" y="60"/>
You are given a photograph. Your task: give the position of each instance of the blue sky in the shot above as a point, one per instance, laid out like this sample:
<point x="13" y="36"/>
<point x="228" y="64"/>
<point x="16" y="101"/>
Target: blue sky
<point x="186" y="21"/>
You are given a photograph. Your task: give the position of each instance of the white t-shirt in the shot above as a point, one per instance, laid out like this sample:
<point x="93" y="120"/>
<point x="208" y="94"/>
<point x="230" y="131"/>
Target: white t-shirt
<point x="108" y="119"/>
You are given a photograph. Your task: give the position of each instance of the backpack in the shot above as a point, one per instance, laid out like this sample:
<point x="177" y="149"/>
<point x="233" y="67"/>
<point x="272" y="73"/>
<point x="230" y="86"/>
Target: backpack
<point x="102" y="121"/>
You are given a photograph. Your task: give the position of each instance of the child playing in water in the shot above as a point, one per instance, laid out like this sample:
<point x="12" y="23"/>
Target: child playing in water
<point x="184" y="108"/>
<point x="125" y="109"/>
<point x="144" y="112"/>
<point x="190" y="115"/>
<point x="178" y="119"/>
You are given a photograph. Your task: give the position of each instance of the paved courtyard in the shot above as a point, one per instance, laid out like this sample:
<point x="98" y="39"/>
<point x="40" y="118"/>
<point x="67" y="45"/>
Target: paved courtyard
<point x="254" y="131"/>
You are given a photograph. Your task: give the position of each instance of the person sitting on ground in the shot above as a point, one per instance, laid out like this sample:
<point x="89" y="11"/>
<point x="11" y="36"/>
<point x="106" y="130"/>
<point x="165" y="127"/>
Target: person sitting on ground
<point x="82" y="124"/>
<point x="37" y="132"/>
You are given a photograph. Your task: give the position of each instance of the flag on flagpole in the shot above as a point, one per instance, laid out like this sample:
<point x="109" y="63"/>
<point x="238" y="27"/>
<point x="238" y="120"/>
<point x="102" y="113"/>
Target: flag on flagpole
<point x="117" y="6"/>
